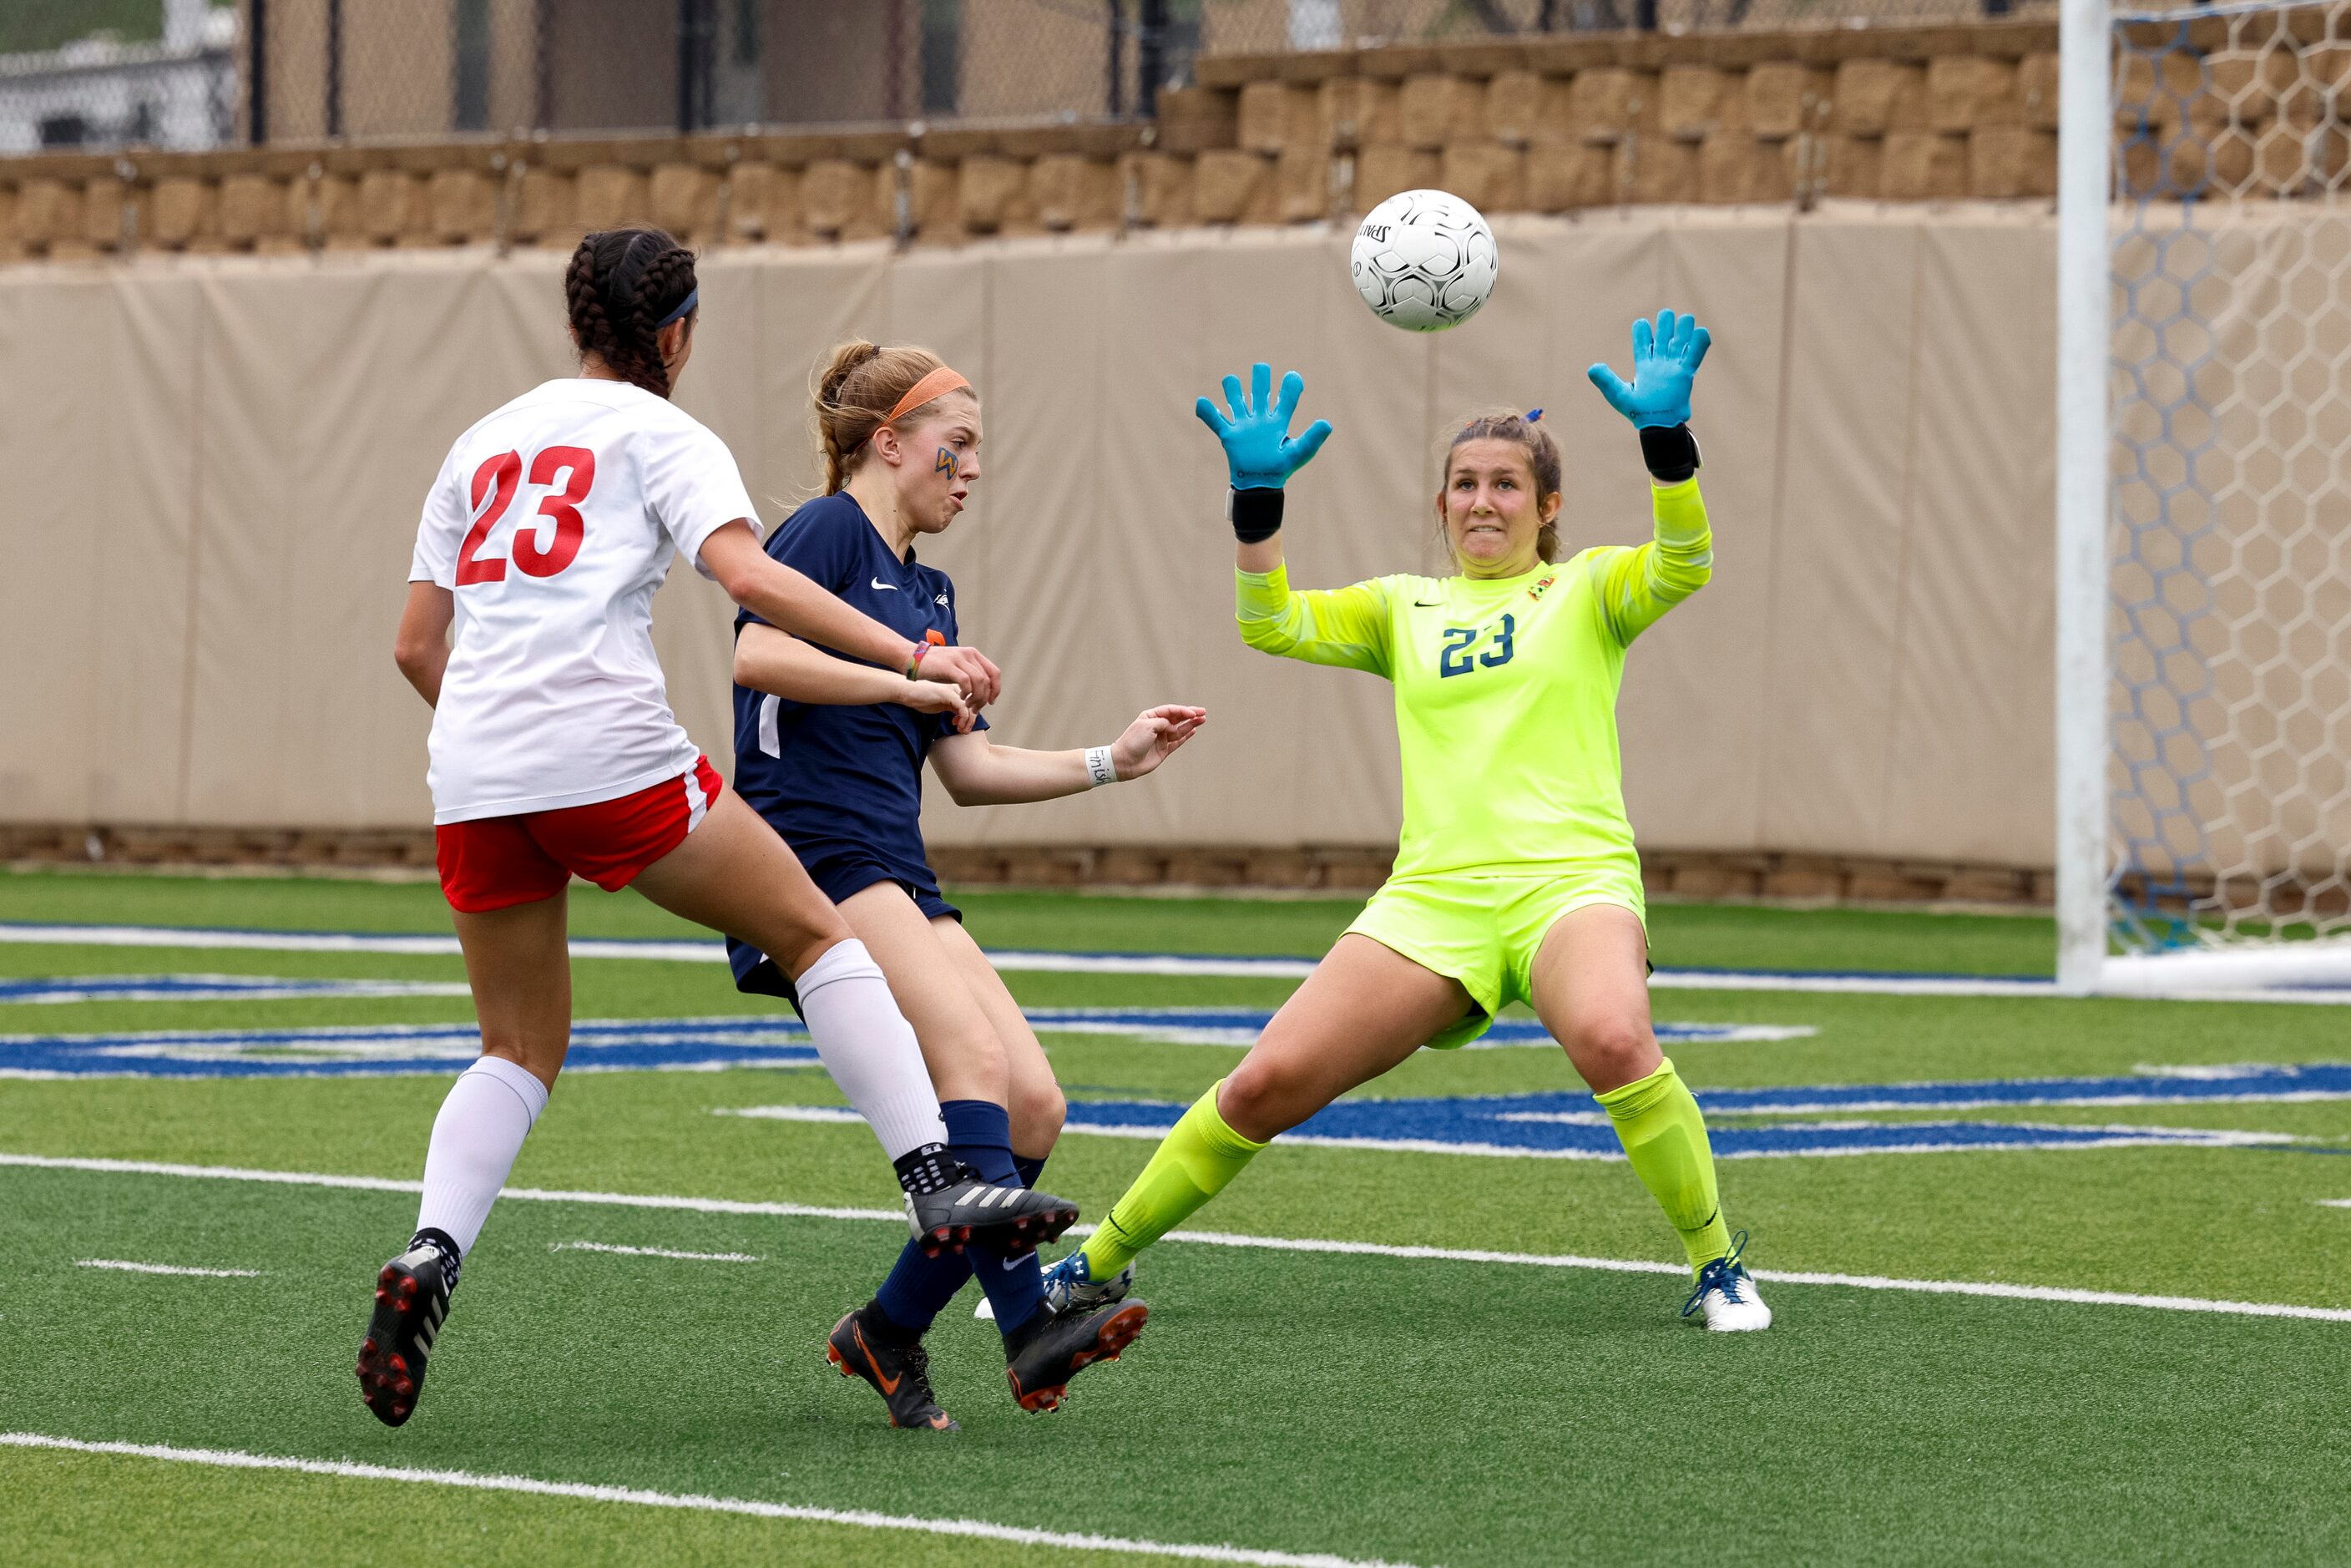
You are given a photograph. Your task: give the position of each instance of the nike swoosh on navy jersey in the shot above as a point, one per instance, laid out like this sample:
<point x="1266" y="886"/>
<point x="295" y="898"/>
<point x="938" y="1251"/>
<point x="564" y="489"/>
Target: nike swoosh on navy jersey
<point x="879" y="584"/>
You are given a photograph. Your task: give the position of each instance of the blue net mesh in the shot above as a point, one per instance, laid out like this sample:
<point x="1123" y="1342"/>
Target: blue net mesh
<point x="2229" y="766"/>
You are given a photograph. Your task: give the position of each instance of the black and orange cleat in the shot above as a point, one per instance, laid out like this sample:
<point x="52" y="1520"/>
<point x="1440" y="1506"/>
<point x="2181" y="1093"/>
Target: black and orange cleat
<point x="863" y="1347"/>
<point x="411" y="1301"/>
<point x="1013" y="1219"/>
<point x="1063" y="1345"/>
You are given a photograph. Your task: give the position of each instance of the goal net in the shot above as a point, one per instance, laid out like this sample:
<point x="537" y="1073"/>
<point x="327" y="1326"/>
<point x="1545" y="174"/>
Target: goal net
<point x="2226" y="607"/>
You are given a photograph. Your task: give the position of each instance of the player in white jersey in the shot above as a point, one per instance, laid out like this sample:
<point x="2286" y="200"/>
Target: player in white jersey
<point x="555" y="754"/>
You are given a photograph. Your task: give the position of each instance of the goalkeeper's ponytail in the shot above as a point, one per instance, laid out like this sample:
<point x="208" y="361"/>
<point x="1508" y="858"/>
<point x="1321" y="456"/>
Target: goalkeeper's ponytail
<point x="1527" y="431"/>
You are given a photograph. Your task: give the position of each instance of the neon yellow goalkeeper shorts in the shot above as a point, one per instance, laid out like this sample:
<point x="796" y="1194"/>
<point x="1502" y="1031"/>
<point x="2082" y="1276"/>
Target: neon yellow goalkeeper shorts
<point x="1484" y="930"/>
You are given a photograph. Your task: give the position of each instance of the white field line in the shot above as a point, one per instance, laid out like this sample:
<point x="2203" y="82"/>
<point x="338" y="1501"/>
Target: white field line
<point x="2334" y="1203"/>
<point x="1781" y="1276"/>
<point x="413" y="944"/>
<point x="654" y="1252"/>
<point x="1970" y="986"/>
<point x="1223" y="1239"/>
<point x="130" y="1268"/>
<point x="582" y="1491"/>
<point x="712" y="952"/>
<point x="1861" y="985"/>
<point x="279" y="991"/>
<point x="388" y="1184"/>
<point x="1788" y="1277"/>
<point x="2086" y="1102"/>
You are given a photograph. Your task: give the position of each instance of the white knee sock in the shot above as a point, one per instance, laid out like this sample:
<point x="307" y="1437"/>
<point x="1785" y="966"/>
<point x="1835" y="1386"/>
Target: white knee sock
<point x="475" y="1138"/>
<point x="865" y="1042"/>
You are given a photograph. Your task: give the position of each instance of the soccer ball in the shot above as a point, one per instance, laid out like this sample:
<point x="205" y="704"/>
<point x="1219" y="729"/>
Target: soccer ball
<point x="1423" y="261"/>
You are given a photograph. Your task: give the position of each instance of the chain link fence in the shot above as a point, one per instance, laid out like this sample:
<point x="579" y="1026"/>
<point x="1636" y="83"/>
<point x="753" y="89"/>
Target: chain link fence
<point x="116" y="73"/>
<point x="2229" y="762"/>
<point x="101" y="74"/>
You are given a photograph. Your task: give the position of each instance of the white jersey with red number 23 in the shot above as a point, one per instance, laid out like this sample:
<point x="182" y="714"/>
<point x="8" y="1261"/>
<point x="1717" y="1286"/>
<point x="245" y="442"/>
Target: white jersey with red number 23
<point x="553" y="521"/>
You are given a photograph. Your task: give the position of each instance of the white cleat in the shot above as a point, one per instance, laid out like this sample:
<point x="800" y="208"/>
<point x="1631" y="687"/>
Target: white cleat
<point x="1070" y="1287"/>
<point x="1725" y="1294"/>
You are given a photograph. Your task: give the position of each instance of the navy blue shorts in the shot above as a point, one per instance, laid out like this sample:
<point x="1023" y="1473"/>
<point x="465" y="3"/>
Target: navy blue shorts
<point x="838" y="877"/>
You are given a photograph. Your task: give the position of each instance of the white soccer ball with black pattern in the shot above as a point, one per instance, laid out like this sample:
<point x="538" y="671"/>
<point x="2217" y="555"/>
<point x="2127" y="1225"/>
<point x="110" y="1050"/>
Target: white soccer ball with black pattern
<point x="1424" y="260"/>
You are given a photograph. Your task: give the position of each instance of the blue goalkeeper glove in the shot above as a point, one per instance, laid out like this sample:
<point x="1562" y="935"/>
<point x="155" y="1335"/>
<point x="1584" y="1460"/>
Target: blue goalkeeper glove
<point x="1665" y="359"/>
<point x="1665" y="363"/>
<point x="1259" y="450"/>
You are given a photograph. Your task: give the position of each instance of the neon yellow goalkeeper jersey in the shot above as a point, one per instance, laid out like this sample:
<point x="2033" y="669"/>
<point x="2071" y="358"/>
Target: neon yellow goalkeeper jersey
<point x="1505" y="688"/>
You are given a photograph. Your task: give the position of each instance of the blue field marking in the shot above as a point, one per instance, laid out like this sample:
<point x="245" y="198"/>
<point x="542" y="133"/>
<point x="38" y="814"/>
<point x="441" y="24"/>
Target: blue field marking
<point x="377" y="1050"/>
<point x="2251" y="1082"/>
<point x="677" y="1044"/>
<point x="209" y="988"/>
<point x="1569" y="1127"/>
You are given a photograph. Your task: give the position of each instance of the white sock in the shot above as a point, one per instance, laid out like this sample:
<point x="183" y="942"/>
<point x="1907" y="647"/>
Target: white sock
<point x="489" y="1112"/>
<point x="865" y="1042"/>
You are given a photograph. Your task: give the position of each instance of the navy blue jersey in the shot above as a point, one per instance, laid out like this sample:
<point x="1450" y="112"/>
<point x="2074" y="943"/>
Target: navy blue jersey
<point x="838" y="780"/>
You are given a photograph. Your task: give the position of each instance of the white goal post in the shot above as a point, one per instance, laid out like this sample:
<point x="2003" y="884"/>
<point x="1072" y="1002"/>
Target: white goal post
<point x="2085" y="139"/>
<point x="2203" y="526"/>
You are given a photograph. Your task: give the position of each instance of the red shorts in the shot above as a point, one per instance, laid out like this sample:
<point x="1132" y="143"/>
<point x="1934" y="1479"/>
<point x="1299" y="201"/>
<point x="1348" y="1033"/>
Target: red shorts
<point x="495" y="863"/>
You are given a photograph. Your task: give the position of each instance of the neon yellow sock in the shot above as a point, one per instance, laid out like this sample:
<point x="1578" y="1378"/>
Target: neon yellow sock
<point x="1664" y="1135"/>
<point x="1190" y="1166"/>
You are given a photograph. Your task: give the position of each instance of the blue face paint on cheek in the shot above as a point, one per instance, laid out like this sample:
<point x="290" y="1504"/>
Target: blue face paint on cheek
<point x="945" y="463"/>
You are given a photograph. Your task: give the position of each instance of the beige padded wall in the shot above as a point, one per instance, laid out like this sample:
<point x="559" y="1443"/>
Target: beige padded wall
<point x="247" y="443"/>
<point x="58" y="344"/>
<point x="1972" y="739"/>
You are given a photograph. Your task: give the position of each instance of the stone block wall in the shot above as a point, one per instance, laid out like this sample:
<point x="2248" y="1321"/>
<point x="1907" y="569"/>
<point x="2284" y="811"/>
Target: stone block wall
<point x="1546" y="125"/>
<point x="1533" y="125"/>
<point x="1892" y="113"/>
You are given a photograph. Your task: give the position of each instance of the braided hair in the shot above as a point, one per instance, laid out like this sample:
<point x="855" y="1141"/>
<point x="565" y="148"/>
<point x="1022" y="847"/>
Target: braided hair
<point x="621" y="284"/>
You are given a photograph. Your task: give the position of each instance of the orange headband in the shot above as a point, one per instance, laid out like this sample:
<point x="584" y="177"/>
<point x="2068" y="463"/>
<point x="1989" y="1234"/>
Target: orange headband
<point x="938" y="383"/>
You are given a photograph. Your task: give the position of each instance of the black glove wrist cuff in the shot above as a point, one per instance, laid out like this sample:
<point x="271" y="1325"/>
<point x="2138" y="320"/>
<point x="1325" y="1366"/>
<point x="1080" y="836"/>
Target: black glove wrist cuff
<point x="1254" y="514"/>
<point x="1670" y="451"/>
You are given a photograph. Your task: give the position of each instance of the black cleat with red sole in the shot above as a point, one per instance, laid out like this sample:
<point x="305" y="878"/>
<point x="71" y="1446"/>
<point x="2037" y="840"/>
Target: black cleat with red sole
<point x="411" y="1301"/>
<point x="901" y="1374"/>
<point x="1013" y="1219"/>
<point x="1041" y="1370"/>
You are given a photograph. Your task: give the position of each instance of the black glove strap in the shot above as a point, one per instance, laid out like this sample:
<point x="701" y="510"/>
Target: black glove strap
<point x="1254" y="514"/>
<point x="1670" y="451"/>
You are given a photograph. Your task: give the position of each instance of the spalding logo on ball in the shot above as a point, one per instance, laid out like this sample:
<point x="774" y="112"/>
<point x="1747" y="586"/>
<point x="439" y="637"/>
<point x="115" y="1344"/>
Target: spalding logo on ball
<point x="1423" y="261"/>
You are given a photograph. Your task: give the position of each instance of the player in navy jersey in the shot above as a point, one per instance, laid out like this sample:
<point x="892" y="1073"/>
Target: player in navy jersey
<point x="555" y="755"/>
<point x="842" y="783"/>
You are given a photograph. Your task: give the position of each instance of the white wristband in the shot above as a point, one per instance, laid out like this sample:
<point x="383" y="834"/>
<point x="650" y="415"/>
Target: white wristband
<point x="1099" y="769"/>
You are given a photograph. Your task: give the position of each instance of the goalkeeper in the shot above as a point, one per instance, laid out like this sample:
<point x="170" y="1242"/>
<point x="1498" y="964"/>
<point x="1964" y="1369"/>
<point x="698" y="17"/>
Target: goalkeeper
<point x="1515" y="875"/>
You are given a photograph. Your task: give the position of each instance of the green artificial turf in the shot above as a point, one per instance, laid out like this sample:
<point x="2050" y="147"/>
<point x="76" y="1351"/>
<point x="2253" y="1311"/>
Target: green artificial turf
<point x="76" y="1511"/>
<point x="1685" y="935"/>
<point x="1419" y="1410"/>
<point x="1366" y="1406"/>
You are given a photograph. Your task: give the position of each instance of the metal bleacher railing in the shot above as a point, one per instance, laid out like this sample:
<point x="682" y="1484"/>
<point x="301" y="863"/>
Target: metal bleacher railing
<point x="98" y="75"/>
